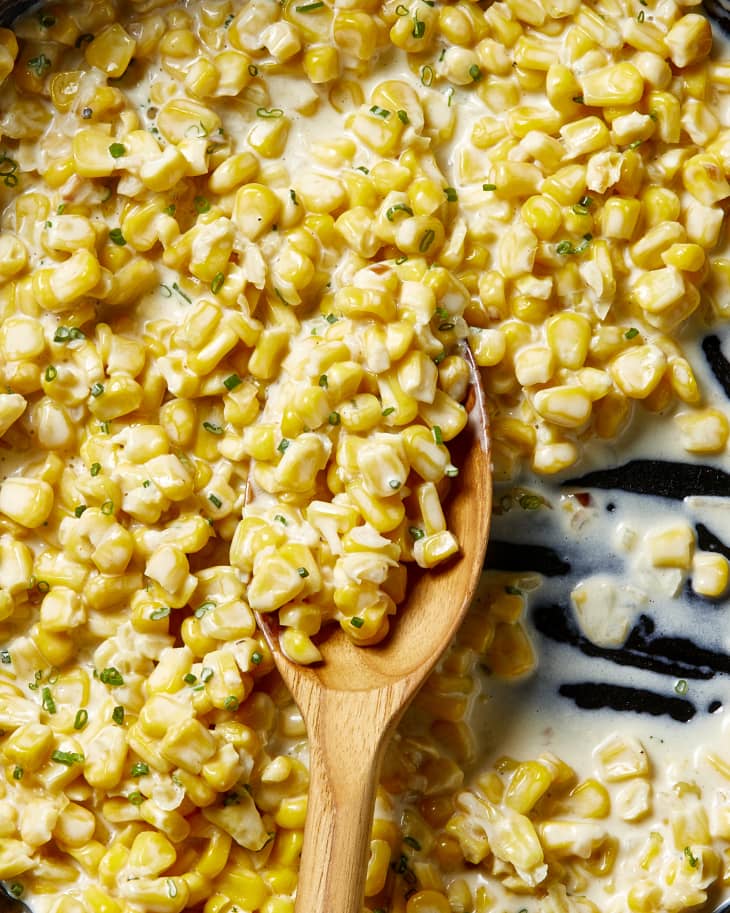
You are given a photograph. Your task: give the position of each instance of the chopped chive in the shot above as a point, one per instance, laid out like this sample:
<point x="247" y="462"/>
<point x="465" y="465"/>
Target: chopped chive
<point x="426" y="75"/>
<point x="530" y="502"/>
<point x="309" y="7"/>
<point x="97" y="389"/>
<point x="475" y="72"/>
<point x="213" y="428"/>
<point x="189" y="678"/>
<point x="280" y="519"/>
<point x="253" y="70"/>
<point x="451" y="194"/>
<point x="399" y="207"/>
<point x="5" y="657"/>
<point x="403" y="116"/>
<point x="681" y="687"/>
<point x="451" y="472"/>
<point x="419" y="28"/>
<point x="323" y="382"/>
<point x="631" y="333"/>
<point x="203" y="609"/>
<point x="51" y="373"/>
<point x="118" y="715"/>
<point x="334" y="418"/>
<point x="16" y="889"/>
<point x="139" y="769"/>
<point x="256" y="657"/>
<point x="206" y="675"/>
<point x="69" y="758"/>
<point x="401" y="10"/>
<point x="117" y="150"/>
<point x="81" y="719"/>
<point x="201" y="205"/>
<point x="232" y="381"/>
<point x="116" y="237"/>
<point x="380" y="112"/>
<point x="111" y="676"/>
<point x="269" y="113"/>
<point x="283" y="444"/>
<point x="356" y="621"/>
<point x="18" y="772"/>
<point x="95" y="469"/>
<point x="107" y="508"/>
<point x="217" y="284"/>
<point x="489" y="186"/>
<point x="49" y="705"/>
<point x="411" y="841"/>
<point x="39" y="65"/>
<point x="426" y="240"/>
<point x="215" y="500"/>
<point x="416" y="533"/>
<point x="389" y="411"/>
<point x="160" y="613"/>
<point x="136" y="798"/>
<point x="79" y="510"/>
<point x="231" y="703"/>
<point x="437" y="435"/>
<point x="303" y="572"/>
<point x="395" y="484"/>
<point x="181" y="293"/>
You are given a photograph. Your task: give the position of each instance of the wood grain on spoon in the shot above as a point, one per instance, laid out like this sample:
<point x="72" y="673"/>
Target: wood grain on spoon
<point x="352" y="701"/>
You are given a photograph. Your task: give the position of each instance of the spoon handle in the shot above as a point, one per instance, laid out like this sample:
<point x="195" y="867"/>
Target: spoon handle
<point x="346" y="748"/>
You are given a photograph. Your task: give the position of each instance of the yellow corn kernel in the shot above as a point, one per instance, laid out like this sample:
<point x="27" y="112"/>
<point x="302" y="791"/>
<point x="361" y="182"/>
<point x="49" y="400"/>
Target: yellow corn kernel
<point x="566" y="406"/>
<point x="529" y="782"/>
<point x="703" y="430"/>
<point x="616" y="84"/>
<point x="704" y="177"/>
<point x="638" y="370"/>
<point x="111" y="51"/>
<point x="672" y="547"/>
<point x="27" y="501"/>
<point x="321" y="63"/>
<point x="709" y="574"/>
<point x="689" y="40"/>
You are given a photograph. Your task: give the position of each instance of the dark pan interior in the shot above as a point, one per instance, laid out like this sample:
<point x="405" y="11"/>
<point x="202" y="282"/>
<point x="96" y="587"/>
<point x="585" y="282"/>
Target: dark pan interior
<point x="9" y="9"/>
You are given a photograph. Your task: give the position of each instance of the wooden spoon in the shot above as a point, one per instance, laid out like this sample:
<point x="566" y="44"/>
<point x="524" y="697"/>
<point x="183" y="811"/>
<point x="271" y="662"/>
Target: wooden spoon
<point x="353" y="700"/>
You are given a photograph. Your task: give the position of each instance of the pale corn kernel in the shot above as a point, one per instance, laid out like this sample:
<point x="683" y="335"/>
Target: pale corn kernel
<point x="638" y="370"/>
<point x="672" y="547"/>
<point x="27" y="501"/>
<point x="621" y="757"/>
<point x="619" y="217"/>
<point x="709" y="574"/>
<point x="111" y="50"/>
<point x="534" y="365"/>
<point x="703" y="430"/>
<point x="566" y="406"/>
<point x="704" y="177"/>
<point x="689" y="40"/>
<point x="616" y="84"/>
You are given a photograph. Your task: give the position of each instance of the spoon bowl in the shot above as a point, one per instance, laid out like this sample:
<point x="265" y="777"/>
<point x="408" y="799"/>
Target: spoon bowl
<point x="352" y="701"/>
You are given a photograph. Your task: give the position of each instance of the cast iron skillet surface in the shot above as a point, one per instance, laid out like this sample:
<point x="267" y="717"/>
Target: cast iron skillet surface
<point x="531" y="546"/>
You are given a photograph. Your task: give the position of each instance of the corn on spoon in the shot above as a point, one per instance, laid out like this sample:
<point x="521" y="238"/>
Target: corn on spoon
<point x="352" y="701"/>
